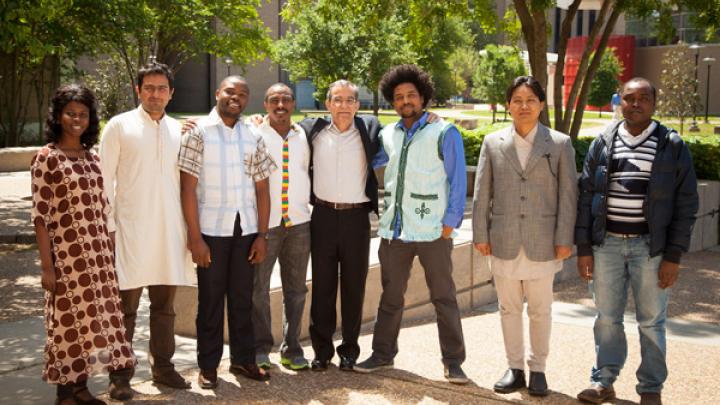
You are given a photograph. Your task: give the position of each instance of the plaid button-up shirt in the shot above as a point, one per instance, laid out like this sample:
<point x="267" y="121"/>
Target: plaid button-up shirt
<point x="227" y="163"/>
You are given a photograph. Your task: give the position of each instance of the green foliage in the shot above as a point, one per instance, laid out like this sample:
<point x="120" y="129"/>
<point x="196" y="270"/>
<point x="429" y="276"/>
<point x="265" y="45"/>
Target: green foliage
<point x="330" y="42"/>
<point x="677" y="97"/>
<point x="35" y="34"/>
<point x="606" y="80"/>
<point x="705" y="151"/>
<point x="425" y="32"/>
<point x="110" y="87"/>
<point x="473" y="138"/>
<point x="498" y="67"/>
<point x="463" y="62"/>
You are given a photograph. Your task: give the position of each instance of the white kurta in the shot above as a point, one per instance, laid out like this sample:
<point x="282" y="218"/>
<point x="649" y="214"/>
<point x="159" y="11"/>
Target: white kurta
<point x="139" y="163"/>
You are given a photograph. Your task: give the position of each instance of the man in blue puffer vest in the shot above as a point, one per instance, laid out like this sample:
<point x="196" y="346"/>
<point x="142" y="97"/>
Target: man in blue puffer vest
<point x="424" y="200"/>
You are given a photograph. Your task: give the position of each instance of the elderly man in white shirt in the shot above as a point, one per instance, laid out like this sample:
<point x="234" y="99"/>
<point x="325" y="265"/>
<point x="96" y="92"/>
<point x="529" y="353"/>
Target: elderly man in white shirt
<point x="139" y="152"/>
<point x="289" y="233"/>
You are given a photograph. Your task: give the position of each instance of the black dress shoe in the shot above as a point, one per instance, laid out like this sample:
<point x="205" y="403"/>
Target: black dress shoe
<point x="512" y="381"/>
<point x="346" y="363"/>
<point x="538" y="384"/>
<point x="319" y="365"/>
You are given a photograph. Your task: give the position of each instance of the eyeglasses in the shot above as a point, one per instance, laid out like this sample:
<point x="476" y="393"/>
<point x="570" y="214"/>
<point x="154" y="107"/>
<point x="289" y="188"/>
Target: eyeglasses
<point x="338" y="102"/>
<point x="275" y="100"/>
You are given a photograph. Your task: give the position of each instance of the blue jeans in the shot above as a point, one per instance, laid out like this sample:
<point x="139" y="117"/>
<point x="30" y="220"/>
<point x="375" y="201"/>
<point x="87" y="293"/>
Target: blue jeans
<point x="620" y="263"/>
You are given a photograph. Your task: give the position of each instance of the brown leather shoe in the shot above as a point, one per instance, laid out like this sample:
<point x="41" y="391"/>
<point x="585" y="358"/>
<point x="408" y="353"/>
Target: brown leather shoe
<point x="172" y="379"/>
<point x="650" y="398"/>
<point x="207" y="379"/>
<point x="597" y="394"/>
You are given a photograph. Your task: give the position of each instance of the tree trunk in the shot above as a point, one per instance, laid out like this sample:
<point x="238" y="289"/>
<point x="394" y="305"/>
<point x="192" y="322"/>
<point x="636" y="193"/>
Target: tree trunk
<point x="594" y="65"/>
<point x="493" y="119"/>
<point x="560" y="67"/>
<point x="534" y="27"/>
<point x="376" y="101"/>
<point x="582" y="75"/>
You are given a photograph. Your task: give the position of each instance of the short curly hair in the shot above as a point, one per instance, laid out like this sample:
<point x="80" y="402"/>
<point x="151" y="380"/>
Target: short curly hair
<point x="407" y="74"/>
<point x="63" y="96"/>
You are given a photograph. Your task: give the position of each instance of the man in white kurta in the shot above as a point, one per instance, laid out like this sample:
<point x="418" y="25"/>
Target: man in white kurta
<point x="139" y="153"/>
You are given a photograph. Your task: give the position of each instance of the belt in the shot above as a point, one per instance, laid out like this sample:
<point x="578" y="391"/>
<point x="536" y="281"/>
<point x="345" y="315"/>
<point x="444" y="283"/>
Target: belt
<point x="340" y="206"/>
<point x="626" y="235"/>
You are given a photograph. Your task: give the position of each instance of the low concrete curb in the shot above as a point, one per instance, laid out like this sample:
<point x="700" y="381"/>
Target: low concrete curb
<point x="17" y="159"/>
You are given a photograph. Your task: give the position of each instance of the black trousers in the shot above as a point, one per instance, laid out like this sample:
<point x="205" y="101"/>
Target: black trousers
<point x="230" y="276"/>
<point x="338" y="237"/>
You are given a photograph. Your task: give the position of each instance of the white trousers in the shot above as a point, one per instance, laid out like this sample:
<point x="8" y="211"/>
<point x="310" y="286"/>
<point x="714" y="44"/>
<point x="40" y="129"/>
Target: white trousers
<point x="511" y="294"/>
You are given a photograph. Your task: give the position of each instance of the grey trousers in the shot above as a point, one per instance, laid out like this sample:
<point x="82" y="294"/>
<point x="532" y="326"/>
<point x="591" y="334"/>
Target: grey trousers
<point x="291" y="247"/>
<point x="396" y="258"/>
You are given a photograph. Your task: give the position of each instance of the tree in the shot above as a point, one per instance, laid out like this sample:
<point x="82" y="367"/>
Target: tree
<point x="428" y="33"/>
<point x="606" y="81"/>
<point x="175" y="31"/>
<point x="34" y="36"/>
<point x="677" y="96"/>
<point x="499" y="65"/>
<point x="324" y="49"/>
<point x="533" y="18"/>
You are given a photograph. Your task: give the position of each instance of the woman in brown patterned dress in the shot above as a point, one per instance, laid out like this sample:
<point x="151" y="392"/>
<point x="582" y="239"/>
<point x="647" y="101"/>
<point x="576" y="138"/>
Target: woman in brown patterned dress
<point x="73" y="225"/>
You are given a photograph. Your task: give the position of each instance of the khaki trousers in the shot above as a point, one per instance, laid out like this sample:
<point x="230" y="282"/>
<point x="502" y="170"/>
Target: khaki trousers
<point x="511" y="294"/>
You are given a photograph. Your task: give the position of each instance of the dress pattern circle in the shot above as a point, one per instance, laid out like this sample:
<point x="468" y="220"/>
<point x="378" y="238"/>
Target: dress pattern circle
<point x="83" y="317"/>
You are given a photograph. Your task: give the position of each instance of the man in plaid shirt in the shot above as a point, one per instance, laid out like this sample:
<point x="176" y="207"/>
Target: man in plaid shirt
<point x="224" y="170"/>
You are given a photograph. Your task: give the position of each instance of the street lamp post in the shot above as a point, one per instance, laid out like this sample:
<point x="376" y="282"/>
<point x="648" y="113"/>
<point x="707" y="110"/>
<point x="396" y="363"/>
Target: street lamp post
<point x="694" y="127"/>
<point x="709" y="61"/>
<point x="228" y="61"/>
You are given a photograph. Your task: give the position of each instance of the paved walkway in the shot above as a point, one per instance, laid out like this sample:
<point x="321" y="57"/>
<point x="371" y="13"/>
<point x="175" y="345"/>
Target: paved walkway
<point x="693" y="355"/>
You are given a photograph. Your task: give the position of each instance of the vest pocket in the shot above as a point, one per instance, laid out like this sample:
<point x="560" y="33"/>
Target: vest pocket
<point x="424" y="197"/>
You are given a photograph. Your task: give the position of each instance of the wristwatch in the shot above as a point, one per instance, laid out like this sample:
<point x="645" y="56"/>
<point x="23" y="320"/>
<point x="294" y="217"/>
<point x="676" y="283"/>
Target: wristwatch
<point x="263" y="235"/>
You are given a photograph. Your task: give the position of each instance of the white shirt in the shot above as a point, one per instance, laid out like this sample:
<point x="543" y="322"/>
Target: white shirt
<point x="521" y="267"/>
<point x="632" y="140"/>
<point x="299" y="178"/>
<point x="139" y="164"/>
<point x="339" y="165"/>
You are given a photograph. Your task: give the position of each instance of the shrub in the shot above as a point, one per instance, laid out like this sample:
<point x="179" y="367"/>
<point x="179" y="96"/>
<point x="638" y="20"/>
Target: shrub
<point x="472" y="140"/>
<point x="705" y="150"/>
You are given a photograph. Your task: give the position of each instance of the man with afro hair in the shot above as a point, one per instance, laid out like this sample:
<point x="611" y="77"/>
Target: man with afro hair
<point x="424" y="201"/>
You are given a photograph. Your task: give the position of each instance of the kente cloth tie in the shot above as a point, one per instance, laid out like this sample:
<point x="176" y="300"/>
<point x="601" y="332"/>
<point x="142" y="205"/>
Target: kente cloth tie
<point x="285" y="182"/>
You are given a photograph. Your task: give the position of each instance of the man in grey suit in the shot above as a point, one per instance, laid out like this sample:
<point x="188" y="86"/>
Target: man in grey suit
<point x="524" y="218"/>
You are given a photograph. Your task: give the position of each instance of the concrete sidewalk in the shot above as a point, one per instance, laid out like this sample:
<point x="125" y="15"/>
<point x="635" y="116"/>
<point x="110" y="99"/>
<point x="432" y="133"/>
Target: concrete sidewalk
<point x="693" y="355"/>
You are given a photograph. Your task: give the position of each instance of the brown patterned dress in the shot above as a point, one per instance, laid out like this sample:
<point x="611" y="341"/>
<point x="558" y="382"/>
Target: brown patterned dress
<point x="83" y="318"/>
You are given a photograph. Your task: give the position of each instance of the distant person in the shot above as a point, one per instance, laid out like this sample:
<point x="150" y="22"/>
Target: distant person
<point x="85" y="332"/>
<point x="139" y="154"/>
<point x="615" y="105"/>
<point x="224" y="171"/>
<point x="523" y="218"/>
<point x="425" y="187"/>
<point x="637" y="206"/>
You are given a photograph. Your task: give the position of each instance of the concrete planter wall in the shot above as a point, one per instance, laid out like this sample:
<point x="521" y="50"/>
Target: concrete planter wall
<point x="16" y="159"/>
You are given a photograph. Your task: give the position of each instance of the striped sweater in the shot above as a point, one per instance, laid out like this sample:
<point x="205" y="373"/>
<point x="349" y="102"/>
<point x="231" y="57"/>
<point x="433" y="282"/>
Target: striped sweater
<point x="632" y="159"/>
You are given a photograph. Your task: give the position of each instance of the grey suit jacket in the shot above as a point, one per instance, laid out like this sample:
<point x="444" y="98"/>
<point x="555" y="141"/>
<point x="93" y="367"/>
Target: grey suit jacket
<point x="534" y="208"/>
